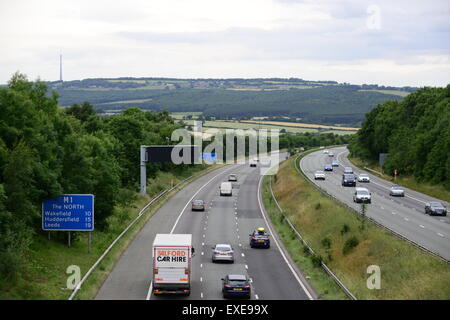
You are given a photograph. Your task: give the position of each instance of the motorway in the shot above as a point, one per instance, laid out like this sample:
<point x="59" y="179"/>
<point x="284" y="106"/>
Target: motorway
<point x="226" y="220"/>
<point x="404" y="215"/>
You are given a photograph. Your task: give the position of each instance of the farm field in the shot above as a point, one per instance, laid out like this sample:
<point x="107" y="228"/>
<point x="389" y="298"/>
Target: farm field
<point x="301" y="125"/>
<point x="228" y="124"/>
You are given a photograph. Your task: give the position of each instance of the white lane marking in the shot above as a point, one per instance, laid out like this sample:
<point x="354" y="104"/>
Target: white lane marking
<point x="422" y="226"/>
<point x="393" y="212"/>
<point x="201" y="295"/>
<point x="240" y="244"/>
<point x="242" y="254"/>
<point x="203" y="253"/>
<point x="203" y="236"/>
<point x="406" y="219"/>
<point x="440" y="234"/>
<point x="246" y="266"/>
<point x="201" y="279"/>
<point x="279" y="249"/>
<point x="149" y="294"/>
<point x="238" y="236"/>
<point x="256" y="297"/>
<point x="203" y="243"/>
<point x="201" y="265"/>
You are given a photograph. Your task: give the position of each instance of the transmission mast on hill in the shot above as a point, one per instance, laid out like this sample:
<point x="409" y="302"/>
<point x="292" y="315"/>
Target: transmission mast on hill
<point x="60" y="68"/>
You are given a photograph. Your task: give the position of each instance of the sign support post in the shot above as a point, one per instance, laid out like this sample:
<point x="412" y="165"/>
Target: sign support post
<point x="89" y="241"/>
<point x="69" y="239"/>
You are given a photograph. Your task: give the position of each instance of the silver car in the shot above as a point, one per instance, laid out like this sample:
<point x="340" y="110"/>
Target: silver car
<point x="223" y="252"/>
<point x="198" y="205"/>
<point x="363" y="177"/>
<point x="397" y="191"/>
<point x="232" y="177"/>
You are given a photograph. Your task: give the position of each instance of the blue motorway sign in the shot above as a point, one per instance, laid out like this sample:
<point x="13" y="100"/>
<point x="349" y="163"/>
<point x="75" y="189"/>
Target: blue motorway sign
<point x="69" y="212"/>
<point x="211" y="157"/>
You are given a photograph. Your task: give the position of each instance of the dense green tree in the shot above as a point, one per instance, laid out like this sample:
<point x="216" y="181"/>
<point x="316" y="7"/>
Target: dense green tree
<point x="415" y="132"/>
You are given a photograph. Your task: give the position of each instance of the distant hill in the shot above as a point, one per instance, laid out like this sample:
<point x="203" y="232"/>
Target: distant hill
<point x="324" y="102"/>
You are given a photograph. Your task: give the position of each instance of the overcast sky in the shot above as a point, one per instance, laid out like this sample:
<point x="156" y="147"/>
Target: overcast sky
<point x="386" y="42"/>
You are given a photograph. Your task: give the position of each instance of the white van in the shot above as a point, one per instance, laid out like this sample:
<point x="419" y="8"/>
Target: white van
<point x="226" y="189"/>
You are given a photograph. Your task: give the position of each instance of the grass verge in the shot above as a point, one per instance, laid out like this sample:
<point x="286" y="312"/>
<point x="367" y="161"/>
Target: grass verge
<point x="437" y="191"/>
<point x="349" y="244"/>
<point x="322" y="283"/>
<point x="44" y="275"/>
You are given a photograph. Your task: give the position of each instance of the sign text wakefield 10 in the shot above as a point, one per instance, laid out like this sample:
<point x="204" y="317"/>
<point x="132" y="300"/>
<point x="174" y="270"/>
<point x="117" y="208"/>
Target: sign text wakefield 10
<point x="69" y="212"/>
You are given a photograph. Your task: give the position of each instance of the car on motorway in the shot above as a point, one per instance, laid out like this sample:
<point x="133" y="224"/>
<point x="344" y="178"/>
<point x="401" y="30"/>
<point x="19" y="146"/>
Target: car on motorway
<point x="435" y="208"/>
<point x="363" y="177"/>
<point x="335" y="163"/>
<point x="253" y="163"/>
<point x="348" y="170"/>
<point x="348" y="180"/>
<point x="259" y="238"/>
<point x="330" y="154"/>
<point x="236" y="285"/>
<point x="326" y="151"/>
<point x="397" y="191"/>
<point x="319" y="175"/>
<point x="226" y="189"/>
<point x="223" y="252"/>
<point x="232" y="177"/>
<point x="198" y="205"/>
<point x="328" y="167"/>
<point x="362" y="195"/>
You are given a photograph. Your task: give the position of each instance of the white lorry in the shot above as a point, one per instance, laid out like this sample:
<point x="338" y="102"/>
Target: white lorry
<point x="172" y="264"/>
<point x="226" y="189"/>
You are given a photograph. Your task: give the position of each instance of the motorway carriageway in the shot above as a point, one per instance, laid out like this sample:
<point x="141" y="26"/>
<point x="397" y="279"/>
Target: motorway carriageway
<point x="229" y="220"/>
<point x="404" y="215"/>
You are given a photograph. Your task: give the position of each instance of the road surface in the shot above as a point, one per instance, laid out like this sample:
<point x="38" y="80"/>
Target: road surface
<point x="404" y="215"/>
<point x="226" y="220"/>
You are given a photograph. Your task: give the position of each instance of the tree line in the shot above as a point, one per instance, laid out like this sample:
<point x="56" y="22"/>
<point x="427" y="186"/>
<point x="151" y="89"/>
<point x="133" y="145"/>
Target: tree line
<point x="46" y="150"/>
<point x="415" y="132"/>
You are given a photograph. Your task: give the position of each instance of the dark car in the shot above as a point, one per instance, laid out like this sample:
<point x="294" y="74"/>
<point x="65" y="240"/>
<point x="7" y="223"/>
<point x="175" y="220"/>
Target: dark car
<point x="236" y="285"/>
<point x="259" y="238"/>
<point x="349" y="180"/>
<point x="435" y="208"/>
<point x="328" y="167"/>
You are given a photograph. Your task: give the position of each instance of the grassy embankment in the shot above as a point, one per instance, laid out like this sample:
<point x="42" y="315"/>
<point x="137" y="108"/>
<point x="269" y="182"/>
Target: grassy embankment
<point x="406" y="271"/>
<point x="44" y="275"/>
<point x="437" y="191"/>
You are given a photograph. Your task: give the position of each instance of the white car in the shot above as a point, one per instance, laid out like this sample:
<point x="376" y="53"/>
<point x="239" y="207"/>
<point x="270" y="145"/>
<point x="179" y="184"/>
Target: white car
<point x="319" y="175"/>
<point x="253" y="163"/>
<point x="397" y="191"/>
<point x="362" y="195"/>
<point x="331" y="154"/>
<point x="232" y="177"/>
<point x="325" y="151"/>
<point x="363" y="177"/>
